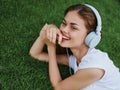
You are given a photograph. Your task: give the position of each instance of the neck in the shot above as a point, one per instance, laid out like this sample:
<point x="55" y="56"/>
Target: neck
<point x="79" y="53"/>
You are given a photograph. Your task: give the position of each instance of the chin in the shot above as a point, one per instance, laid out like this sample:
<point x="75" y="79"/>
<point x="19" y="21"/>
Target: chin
<point x="65" y="45"/>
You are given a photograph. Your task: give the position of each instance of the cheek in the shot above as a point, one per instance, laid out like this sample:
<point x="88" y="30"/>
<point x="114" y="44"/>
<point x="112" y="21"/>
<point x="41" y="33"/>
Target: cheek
<point x="80" y="38"/>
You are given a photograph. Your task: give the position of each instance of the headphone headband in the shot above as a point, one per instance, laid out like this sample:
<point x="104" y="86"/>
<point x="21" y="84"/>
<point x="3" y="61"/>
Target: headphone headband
<point x="98" y="17"/>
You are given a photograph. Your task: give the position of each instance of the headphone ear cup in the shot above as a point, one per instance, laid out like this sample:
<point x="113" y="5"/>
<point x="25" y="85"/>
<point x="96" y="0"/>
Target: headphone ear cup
<point x="92" y="39"/>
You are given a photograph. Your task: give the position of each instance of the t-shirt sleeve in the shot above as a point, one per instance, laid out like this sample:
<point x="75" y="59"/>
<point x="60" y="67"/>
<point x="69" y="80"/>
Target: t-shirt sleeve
<point x="102" y="61"/>
<point x="94" y="62"/>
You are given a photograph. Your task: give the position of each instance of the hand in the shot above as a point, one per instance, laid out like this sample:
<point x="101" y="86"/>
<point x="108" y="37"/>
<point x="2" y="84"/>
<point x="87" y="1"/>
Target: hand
<point x="50" y="33"/>
<point x="53" y="33"/>
<point x="43" y="32"/>
<point x="43" y="35"/>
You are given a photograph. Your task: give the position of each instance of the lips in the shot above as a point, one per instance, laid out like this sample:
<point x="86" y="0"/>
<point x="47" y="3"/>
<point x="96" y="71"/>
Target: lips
<point x="65" y="37"/>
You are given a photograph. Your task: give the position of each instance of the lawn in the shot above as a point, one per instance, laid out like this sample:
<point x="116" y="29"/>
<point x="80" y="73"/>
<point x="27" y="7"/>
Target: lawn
<point x="20" y="24"/>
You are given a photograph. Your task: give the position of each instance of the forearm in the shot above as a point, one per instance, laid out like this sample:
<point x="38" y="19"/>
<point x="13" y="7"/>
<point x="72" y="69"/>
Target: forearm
<point x="37" y="48"/>
<point x="54" y="73"/>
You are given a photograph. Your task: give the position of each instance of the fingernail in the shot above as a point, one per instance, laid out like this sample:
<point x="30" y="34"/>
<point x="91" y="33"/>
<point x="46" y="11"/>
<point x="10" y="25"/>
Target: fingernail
<point x="58" y="42"/>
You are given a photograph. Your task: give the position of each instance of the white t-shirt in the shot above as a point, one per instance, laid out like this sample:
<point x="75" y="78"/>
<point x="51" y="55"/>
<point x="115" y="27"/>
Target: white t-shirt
<point x="98" y="59"/>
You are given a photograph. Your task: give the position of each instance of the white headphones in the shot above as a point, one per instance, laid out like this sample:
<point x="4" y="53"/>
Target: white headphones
<point x="94" y="37"/>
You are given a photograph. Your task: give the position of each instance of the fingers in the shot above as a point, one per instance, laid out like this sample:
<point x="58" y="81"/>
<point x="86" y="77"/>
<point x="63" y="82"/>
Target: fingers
<point x="45" y="27"/>
<point x="59" y="37"/>
<point x="52" y="32"/>
<point x="54" y="36"/>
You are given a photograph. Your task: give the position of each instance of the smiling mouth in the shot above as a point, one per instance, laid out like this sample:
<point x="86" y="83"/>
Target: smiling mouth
<point x="65" y="38"/>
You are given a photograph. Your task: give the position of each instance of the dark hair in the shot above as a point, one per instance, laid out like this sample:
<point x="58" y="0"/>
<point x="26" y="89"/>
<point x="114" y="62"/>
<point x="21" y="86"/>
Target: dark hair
<point x="86" y="13"/>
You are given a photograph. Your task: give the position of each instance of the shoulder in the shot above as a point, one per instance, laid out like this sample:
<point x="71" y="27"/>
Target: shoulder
<point x="96" y="53"/>
<point x="95" y="59"/>
<point x="96" y="56"/>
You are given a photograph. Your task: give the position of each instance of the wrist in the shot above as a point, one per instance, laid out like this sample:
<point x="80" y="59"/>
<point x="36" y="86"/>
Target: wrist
<point x="51" y="47"/>
<point x="41" y="39"/>
<point x="52" y="53"/>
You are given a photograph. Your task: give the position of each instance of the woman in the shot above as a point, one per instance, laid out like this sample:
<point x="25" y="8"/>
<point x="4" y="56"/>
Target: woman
<point x="80" y="33"/>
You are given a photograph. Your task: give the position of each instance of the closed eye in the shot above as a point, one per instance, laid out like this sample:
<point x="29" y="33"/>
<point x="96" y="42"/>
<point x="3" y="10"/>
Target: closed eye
<point x="63" y="23"/>
<point x="74" y="28"/>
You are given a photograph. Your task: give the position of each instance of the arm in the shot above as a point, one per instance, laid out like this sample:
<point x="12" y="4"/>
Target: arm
<point x="36" y="50"/>
<point x="53" y="67"/>
<point x="79" y="80"/>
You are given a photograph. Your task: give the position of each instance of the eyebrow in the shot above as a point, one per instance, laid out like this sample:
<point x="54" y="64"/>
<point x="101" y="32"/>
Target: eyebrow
<point x="71" y="23"/>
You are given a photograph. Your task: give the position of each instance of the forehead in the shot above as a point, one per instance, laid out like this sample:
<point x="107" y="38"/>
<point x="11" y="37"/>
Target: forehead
<point x="74" y="17"/>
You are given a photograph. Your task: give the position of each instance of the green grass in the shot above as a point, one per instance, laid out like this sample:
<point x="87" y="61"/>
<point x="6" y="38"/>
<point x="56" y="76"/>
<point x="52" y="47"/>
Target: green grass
<point x="20" y="24"/>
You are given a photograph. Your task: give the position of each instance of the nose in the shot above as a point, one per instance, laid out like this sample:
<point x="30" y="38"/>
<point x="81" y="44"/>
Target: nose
<point x="65" y="30"/>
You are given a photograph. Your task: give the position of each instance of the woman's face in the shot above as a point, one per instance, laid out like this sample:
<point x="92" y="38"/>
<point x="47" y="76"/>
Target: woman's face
<point x="73" y="30"/>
